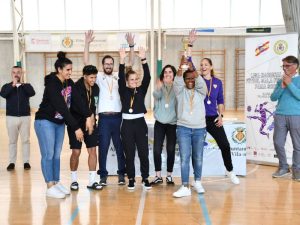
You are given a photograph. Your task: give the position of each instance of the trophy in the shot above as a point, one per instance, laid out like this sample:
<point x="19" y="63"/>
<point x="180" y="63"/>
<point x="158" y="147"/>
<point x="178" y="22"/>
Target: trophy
<point x="185" y="43"/>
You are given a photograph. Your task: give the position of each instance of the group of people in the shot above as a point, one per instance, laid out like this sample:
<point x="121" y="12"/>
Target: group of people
<point x="105" y="106"/>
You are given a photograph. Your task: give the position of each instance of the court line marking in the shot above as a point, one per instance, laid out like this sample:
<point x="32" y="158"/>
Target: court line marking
<point x="202" y="199"/>
<point x="139" y="216"/>
<point x="227" y="178"/>
<point x="74" y="215"/>
<point x="204" y="209"/>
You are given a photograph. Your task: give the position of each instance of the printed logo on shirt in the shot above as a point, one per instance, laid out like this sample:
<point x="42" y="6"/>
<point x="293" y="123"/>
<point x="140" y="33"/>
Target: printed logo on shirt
<point x="215" y="86"/>
<point x="66" y="93"/>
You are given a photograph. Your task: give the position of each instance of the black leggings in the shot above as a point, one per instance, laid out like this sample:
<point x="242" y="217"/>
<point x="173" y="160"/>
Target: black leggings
<point x="160" y="131"/>
<point x="134" y="135"/>
<point x="218" y="133"/>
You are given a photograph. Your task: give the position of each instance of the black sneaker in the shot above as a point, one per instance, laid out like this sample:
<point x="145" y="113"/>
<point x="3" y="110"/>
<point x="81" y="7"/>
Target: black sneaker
<point x="103" y="181"/>
<point x="121" y="180"/>
<point x="27" y="166"/>
<point x="157" y="180"/>
<point x="146" y="183"/>
<point x="131" y="184"/>
<point x="11" y="167"/>
<point x="169" y="180"/>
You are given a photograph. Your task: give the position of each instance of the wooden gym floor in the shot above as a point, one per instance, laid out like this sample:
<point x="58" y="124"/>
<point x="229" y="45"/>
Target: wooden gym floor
<point x="258" y="200"/>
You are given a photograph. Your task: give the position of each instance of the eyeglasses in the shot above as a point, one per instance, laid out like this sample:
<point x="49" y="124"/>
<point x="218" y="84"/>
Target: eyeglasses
<point x="108" y="64"/>
<point x="287" y="66"/>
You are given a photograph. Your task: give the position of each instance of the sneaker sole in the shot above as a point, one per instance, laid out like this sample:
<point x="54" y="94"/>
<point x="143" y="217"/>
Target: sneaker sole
<point x="130" y="188"/>
<point x="147" y="188"/>
<point x="121" y="183"/>
<point x="55" y="196"/>
<point x="181" y="196"/>
<point x="156" y="183"/>
<point x="278" y="176"/>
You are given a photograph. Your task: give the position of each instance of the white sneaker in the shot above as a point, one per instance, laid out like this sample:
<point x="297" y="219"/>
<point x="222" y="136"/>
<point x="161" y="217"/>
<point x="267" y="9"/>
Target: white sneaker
<point x="54" y="192"/>
<point x="64" y="190"/>
<point x="234" y="179"/>
<point x="198" y="186"/>
<point x="182" y="192"/>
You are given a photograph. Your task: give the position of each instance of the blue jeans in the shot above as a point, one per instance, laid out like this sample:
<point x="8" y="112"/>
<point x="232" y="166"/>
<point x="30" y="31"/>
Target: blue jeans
<point x="109" y="128"/>
<point x="191" y="143"/>
<point x="50" y="136"/>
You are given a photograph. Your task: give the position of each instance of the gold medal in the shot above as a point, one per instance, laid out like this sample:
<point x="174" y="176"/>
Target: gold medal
<point x="131" y="101"/>
<point x="208" y="102"/>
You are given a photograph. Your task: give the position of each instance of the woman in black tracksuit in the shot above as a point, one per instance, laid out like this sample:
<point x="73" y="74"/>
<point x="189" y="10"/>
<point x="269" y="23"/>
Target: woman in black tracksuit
<point x="134" y="130"/>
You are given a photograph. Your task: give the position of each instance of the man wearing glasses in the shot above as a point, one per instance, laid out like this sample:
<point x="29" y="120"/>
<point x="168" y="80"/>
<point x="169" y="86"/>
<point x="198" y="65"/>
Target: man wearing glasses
<point x="110" y="117"/>
<point x="287" y="117"/>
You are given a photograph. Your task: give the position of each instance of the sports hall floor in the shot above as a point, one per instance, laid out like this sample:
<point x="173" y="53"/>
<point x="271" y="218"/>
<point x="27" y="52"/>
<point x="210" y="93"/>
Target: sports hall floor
<point x="258" y="200"/>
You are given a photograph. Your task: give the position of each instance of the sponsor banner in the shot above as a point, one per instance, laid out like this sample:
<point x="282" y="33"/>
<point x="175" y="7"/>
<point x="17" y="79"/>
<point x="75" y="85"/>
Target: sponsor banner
<point x="75" y="42"/>
<point x="263" y="59"/>
<point x="212" y="159"/>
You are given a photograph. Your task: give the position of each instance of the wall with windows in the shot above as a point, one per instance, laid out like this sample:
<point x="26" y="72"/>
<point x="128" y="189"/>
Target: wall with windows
<point x="101" y="15"/>
<point x="121" y="15"/>
<point x="35" y="63"/>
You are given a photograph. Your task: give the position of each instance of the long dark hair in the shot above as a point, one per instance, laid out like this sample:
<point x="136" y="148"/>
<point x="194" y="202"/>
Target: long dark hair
<point x="212" y="72"/>
<point x="62" y="61"/>
<point x="161" y="76"/>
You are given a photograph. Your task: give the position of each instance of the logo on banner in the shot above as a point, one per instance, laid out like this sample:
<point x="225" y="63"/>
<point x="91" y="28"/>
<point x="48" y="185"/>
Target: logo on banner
<point x="262" y="48"/>
<point x="67" y="42"/>
<point x="239" y="135"/>
<point x="280" y="47"/>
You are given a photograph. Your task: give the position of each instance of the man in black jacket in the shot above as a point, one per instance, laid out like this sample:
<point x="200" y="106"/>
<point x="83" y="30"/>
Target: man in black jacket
<point x="87" y="92"/>
<point x="17" y="94"/>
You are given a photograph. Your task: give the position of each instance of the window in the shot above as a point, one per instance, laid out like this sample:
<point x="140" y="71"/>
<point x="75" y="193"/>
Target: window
<point x="5" y="15"/>
<point x="52" y="15"/>
<point x="244" y="13"/>
<point x="105" y="14"/>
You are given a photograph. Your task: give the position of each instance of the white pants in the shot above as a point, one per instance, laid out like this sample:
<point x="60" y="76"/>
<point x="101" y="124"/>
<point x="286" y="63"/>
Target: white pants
<point x="15" y="126"/>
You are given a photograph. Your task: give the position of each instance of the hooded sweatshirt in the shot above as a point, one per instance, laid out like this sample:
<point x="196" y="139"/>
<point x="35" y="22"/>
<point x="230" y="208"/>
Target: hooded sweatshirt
<point x="82" y="105"/>
<point x="57" y="101"/>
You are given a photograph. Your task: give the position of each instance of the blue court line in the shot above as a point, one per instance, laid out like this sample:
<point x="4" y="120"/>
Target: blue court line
<point x="73" y="216"/>
<point x="204" y="209"/>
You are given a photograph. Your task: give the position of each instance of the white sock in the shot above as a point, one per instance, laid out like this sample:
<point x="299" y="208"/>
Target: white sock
<point x="92" y="177"/>
<point x="74" y="176"/>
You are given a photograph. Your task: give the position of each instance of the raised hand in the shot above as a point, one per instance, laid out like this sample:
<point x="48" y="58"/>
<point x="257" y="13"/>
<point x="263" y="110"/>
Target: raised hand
<point x="89" y="36"/>
<point x="142" y="53"/>
<point x="192" y="36"/>
<point x="130" y="38"/>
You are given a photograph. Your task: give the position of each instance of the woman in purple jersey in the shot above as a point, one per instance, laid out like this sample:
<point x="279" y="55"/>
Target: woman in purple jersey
<point x="214" y="107"/>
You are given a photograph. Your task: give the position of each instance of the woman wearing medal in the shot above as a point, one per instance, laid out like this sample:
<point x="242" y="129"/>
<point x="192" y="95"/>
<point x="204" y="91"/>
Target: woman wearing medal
<point x="134" y="130"/>
<point x="190" y="91"/>
<point x="214" y="107"/>
<point x="165" y="124"/>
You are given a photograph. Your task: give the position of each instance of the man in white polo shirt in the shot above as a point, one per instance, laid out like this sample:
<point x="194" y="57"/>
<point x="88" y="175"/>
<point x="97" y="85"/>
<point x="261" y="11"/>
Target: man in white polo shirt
<point x="110" y="117"/>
